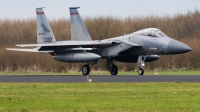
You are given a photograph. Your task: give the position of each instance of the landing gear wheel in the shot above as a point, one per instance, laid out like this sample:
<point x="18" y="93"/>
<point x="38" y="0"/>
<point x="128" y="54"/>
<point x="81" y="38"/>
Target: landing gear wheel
<point x="86" y="70"/>
<point x="113" y="70"/>
<point x="141" y="71"/>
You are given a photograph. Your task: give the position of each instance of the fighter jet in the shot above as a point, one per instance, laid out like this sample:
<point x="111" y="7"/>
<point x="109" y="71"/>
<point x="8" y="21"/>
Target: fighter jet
<point x="142" y="46"/>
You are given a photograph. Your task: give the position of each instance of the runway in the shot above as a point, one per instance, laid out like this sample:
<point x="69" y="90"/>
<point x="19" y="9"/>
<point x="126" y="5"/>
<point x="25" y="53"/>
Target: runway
<point x="106" y="78"/>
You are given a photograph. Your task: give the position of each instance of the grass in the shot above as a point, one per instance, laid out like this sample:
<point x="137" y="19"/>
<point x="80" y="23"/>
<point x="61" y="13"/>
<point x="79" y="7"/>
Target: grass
<point x="100" y="97"/>
<point x="155" y="72"/>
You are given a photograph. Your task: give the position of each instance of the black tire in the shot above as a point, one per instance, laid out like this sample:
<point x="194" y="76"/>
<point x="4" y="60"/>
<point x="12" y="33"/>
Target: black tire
<point x="113" y="70"/>
<point x="85" y="70"/>
<point x="141" y="71"/>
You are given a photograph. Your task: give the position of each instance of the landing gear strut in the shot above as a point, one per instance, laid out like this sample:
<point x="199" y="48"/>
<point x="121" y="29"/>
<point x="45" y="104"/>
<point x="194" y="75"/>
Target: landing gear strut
<point x="141" y="63"/>
<point x="113" y="68"/>
<point x="85" y="70"/>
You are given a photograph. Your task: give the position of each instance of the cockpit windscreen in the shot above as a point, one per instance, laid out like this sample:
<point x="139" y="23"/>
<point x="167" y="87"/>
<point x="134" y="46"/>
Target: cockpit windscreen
<point x="152" y="32"/>
<point x="156" y="33"/>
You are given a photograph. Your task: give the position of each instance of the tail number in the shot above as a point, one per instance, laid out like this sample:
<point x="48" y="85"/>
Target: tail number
<point x="47" y="40"/>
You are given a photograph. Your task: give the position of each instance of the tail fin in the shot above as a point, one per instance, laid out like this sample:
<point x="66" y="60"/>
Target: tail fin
<point x="44" y="31"/>
<point x="78" y="29"/>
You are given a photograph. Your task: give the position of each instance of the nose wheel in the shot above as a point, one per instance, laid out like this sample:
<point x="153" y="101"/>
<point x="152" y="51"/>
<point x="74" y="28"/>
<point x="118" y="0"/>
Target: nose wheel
<point x="141" y="71"/>
<point x="85" y="70"/>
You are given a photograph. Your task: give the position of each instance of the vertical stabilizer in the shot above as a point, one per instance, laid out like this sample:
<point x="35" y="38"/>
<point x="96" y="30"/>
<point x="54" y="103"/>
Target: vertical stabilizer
<point x="78" y="29"/>
<point x="44" y="31"/>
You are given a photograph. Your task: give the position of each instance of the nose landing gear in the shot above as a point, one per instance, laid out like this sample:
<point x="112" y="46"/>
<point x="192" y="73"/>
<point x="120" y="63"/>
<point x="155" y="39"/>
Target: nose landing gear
<point x="141" y="63"/>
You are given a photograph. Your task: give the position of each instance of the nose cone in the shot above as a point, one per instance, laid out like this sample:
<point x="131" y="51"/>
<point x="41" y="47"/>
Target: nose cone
<point x="176" y="47"/>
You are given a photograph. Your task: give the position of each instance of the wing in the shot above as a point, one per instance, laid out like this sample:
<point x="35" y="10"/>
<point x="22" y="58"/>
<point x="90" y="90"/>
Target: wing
<point x="68" y="43"/>
<point x="63" y="46"/>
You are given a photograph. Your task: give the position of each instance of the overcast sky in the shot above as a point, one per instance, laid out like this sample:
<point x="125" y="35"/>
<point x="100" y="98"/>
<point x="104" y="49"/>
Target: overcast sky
<point x="15" y="9"/>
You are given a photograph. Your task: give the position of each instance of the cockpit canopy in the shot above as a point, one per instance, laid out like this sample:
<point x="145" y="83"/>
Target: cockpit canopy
<point x="153" y="32"/>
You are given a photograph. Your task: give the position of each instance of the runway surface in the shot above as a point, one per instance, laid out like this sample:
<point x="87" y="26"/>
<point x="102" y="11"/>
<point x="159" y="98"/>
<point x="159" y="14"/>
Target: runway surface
<point x="106" y="78"/>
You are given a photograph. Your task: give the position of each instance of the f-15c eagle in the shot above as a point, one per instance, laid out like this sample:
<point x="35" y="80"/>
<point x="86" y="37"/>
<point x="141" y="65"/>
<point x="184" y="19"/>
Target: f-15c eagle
<point x="141" y="46"/>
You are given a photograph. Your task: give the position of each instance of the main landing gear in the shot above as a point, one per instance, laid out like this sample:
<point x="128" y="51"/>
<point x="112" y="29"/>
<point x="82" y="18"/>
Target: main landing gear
<point x="141" y="63"/>
<point x="85" y="70"/>
<point x="113" y="68"/>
